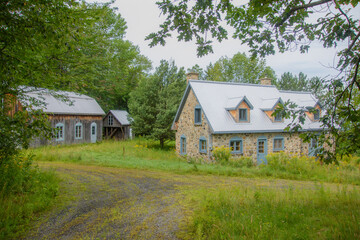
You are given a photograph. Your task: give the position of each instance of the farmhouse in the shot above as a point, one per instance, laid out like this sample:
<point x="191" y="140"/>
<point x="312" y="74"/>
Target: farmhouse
<point x="78" y="119"/>
<point x="240" y="116"/>
<point x="117" y="125"/>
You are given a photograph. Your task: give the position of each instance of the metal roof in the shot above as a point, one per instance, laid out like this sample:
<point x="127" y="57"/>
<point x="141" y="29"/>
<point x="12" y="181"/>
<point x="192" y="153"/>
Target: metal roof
<point x="75" y="104"/>
<point x="122" y="116"/>
<point x="213" y="98"/>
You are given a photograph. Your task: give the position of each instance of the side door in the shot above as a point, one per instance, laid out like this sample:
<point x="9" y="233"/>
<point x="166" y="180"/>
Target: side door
<point x="93" y="132"/>
<point x="261" y="150"/>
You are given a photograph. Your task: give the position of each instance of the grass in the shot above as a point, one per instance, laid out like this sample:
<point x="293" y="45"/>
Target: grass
<point x="147" y="155"/>
<point x="19" y="209"/>
<point x="249" y="210"/>
<point x="255" y="213"/>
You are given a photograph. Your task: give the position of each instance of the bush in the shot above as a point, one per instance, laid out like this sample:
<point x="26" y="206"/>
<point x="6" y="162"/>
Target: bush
<point x="15" y="174"/>
<point x="221" y="154"/>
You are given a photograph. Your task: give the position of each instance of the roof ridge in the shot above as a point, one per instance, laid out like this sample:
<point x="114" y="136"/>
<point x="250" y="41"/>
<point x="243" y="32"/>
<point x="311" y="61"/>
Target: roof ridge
<point x="290" y="91"/>
<point x="232" y="83"/>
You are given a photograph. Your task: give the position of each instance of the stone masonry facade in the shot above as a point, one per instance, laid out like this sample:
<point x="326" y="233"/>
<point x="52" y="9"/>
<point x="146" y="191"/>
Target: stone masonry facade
<point x="186" y="128"/>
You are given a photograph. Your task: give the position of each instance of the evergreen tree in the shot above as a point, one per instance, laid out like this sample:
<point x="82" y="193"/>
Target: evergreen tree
<point x="153" y="104"/>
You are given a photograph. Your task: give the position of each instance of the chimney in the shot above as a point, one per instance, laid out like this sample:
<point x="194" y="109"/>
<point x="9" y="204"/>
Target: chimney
<point x="192" y="76"/>
<point x="265" y="81"/>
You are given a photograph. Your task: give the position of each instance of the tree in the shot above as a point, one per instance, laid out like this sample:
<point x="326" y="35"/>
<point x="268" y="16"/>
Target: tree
<point x="239" y="68"/>
<point x="153" y="104"/>
<point x="267" y="26"/>
<point x="295" y="83"/>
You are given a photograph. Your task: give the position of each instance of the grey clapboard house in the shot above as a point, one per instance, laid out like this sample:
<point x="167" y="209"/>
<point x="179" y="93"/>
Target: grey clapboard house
<point x="240" y="116"/>
<point x="117" y="125"/>
<point x="77" y="120"/>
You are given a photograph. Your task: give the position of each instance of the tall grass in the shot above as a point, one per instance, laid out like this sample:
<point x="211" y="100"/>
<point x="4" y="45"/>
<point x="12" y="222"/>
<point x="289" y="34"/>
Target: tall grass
<point x="26" y="193"/>
<point x="147" y="154"/>
<point x="254" y="213"/>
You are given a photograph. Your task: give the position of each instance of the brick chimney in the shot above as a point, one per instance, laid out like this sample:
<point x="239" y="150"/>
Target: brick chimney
<point x="192" y="76"/>
<point x="265" y="81"/>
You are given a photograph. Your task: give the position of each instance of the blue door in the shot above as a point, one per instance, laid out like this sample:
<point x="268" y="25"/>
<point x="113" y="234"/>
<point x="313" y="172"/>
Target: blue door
<point x="261" y="150"/>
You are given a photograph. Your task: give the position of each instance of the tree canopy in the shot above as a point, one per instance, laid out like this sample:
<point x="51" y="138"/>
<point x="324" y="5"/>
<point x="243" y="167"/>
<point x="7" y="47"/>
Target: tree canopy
<point x="239" y="68"/>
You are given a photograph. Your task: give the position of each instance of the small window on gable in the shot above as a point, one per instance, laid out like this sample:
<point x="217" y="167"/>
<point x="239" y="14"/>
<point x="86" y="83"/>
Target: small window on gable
<point x="59" y="128"/>
<point x="197" y="119"/>
<point x="111" y="120"/>
<point x="236" y="145"/>
<point x="183" y="145"/>
<point x="202" y="145"/>
<point x="78" y="131"/>
<point x="243" y="114"/>
<point x="316" y="114"/>
<point x="278" y="144"/>
<point x="278" y="117"/>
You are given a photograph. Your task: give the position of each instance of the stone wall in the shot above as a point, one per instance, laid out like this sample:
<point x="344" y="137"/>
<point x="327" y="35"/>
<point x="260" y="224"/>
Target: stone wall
<point x="292" y="144"/>
<point x="186" y="127"/>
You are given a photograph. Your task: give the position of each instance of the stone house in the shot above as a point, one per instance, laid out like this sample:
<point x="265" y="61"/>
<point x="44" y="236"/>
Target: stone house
<point x="78" y="119"/>
<point x="240" y="116"/>
<point x="117" y="125"/>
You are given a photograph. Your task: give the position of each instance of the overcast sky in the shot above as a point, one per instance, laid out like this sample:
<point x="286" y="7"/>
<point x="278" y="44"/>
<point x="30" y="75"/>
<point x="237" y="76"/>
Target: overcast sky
<point x="143" y="17"/>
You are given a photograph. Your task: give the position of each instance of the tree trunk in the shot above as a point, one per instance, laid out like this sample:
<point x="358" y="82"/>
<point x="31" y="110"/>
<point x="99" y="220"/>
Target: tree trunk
<point x="162" y="143"/>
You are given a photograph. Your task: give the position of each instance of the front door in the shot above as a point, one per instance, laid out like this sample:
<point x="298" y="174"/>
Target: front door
<point x="93" y="132"/>
<point x="261" y="150"/>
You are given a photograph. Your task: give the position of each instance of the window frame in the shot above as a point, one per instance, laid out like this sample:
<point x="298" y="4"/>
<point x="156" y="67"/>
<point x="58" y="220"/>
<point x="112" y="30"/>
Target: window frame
<point x="62" y="125"/>
<point x="282" y="144"/>
<point x="316" y="115"/>
<point x="201" y="140"/>
<point x="276" y="116"/>
<point x="233" y="140"/>
<point x="110" y="120"/>
<point x="198" y="110"/>
<point x="79" y="124"/>
<point x="246" y="114"/>
<point x="182" y="143"/>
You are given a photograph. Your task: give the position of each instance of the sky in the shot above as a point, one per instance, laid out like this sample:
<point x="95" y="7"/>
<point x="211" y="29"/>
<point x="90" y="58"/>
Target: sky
<point x="143" y="17"/>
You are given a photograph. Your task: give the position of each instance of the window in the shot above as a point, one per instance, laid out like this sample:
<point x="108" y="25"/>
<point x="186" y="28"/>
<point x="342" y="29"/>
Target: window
<point x="242" y="114"/>
<point x="313" y="143"/>
<point x="78" y="131"/>
<point x="110" y="120"/>
<point x="93" y="130"/>
<point x="278" y="144"/>
<point x="317" y="114"/>
<point x="183" y="145"/>
<point x="261" y="146"/>
<point x="59" y="128"/>
<point x="197" y="115"/>
<point x="202" y="145"/>
<point x="236" y="145"/>
<point x="278" y="117"/>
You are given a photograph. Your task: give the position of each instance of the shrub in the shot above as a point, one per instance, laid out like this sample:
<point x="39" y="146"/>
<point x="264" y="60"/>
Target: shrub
<point x="242" y="162"/>
<point x="221" y="154"/>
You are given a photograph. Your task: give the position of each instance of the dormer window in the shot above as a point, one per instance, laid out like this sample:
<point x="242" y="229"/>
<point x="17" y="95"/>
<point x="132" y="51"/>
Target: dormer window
<point x="316" y="115"/>
<point x="243" y="114"/>
<point x="197" y="116"/>
<point x="239" y="108"/>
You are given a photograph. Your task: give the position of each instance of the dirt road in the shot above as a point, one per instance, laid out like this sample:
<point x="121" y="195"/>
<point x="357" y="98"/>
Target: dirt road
<point x="110" y="203"/>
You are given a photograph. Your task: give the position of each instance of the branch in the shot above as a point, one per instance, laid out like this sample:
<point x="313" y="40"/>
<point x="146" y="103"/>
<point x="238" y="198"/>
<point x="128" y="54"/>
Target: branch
<point x="356" y="72"/>
<point x="353" y="43"/>
<point x="288" y="14"/>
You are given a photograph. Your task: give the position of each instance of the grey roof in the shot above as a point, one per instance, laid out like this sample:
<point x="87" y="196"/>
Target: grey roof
<point x="122" y="116"/>
<point x="75" y="104"/>
<point x="213" y="98"/>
